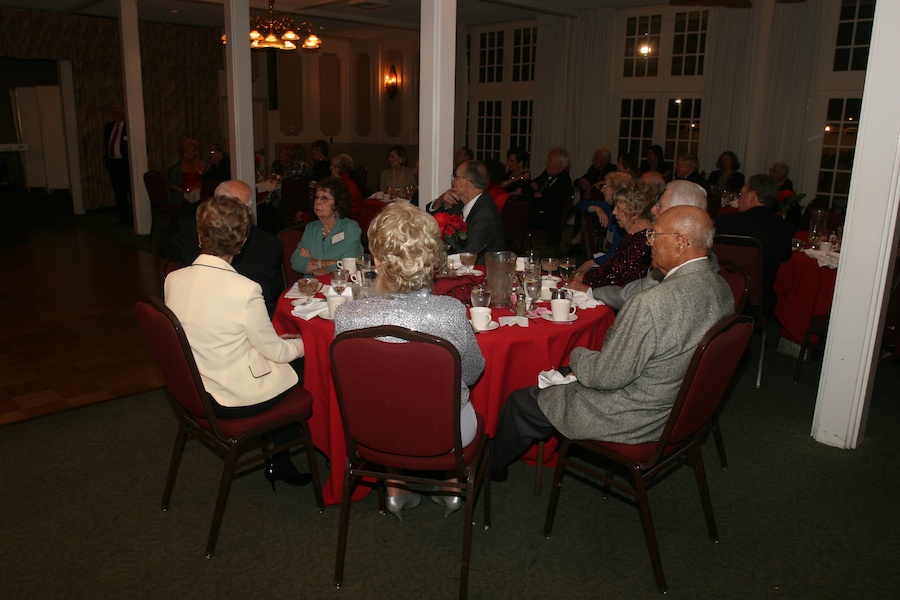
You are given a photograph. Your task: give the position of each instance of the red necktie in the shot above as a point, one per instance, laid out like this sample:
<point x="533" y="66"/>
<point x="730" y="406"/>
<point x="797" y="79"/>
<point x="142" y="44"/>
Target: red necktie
<point x="113" y="139"/>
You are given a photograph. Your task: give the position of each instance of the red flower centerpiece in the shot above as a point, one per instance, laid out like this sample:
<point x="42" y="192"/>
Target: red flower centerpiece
<point x="786" y="200"/>
<point x="453" y="228"/>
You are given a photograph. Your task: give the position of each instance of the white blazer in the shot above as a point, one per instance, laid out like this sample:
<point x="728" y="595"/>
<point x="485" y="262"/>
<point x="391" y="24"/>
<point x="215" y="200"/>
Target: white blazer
<point x="241" y="359"/>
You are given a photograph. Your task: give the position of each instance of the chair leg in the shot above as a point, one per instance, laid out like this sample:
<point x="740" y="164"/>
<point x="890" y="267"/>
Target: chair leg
<point x="640" y="489"/>
<point x="177" y="451"/>
<point x="720" y="444"/>
<point x="539" y="469"/>
<point x="700" y="473"/>
<point x="561" y="459"/>
<point x="762" y="352"/>
<point x="486" y="483"/>
<point x="467" y="539"/>
<point x="222" y="499"/>
<point x="343" y="522"/>
<point x="313" y="464"/>
<point x="803" y="349"/>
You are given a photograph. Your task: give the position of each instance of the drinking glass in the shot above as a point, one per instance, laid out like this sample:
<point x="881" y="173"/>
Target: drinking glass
<point x="533" y="289"/>
<point x="481" y="295"/>
<point x="308" y="286"/>
<point x="468" y="261"/>
<point x="567" y="269"/>
<point x="550" y="265"/>
<point x="339" y="280"/>
<point x="532" y="259"/>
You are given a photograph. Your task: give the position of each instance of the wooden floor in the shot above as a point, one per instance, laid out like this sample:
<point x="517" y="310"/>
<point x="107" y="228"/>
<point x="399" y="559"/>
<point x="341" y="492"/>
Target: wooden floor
<point x="69" y="334"/>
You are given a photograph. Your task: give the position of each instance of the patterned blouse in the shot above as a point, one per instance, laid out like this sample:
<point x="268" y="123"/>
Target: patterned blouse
<point x="631" y="261"/>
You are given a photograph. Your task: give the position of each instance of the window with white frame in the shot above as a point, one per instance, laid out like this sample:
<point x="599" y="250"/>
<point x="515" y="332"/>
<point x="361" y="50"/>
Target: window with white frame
<point x="490" y="57"/>
<point x="838" y="149"/>
<point x="524" y="49"/>
<point x="851" y="52"/>
<point x="636" y="118"/>
<point x="689" y="43"/>
<point x="642" y="35"/>
<point x="682" y="127"/>
<point x="500" y="107"/>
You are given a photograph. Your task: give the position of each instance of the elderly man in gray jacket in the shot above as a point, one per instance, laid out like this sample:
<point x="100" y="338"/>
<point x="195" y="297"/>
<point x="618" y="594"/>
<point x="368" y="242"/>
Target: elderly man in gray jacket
<point x="625" y="392"/>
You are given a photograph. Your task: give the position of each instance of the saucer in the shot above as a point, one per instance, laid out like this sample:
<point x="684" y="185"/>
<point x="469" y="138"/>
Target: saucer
<point x="460" y="272"/>
<point x="491" y="326"/>
<point x="549" y="317"/>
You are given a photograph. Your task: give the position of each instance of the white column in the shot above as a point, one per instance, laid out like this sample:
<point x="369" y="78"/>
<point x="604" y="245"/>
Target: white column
<point x="868" y="249"/>
<point x="437" y="97"/>
<point x="134" y="113"/>
<point x="239" y="89"/>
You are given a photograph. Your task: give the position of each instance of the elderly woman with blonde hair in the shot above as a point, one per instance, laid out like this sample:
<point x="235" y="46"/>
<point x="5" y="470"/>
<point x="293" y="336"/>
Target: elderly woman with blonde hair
<point x="406" y="246"/>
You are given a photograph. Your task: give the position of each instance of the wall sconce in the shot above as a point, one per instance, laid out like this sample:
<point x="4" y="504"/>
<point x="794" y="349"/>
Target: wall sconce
<point x="391" y="81"/>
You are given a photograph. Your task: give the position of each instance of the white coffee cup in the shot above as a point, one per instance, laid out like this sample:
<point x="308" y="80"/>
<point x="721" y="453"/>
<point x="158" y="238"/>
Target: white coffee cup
<point x="481" y="317"/>
<point x="333" y="303"/>
<point x="826" y="246"/>
<point x="348" y="263"/>
<point x="355" y="277"/>
<point x="562" y="309"/>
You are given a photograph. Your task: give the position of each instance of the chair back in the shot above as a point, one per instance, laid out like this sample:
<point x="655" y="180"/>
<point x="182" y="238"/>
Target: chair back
<point x="747" y="252"/>
<point x="175" y="360"/>
<point x="290" y="237"/>
<point x="155" y="183"/>
<point x="294" y="196"/>
<point x="589" y="226"/>
<point x="515" y="221"/>
<point x="708" y="376"/>
<point x="394" y="414"/>
<point x="739" y="282"/>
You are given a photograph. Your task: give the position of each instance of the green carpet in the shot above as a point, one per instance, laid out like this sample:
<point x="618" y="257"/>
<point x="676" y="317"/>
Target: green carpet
<point x="81" y="517"/>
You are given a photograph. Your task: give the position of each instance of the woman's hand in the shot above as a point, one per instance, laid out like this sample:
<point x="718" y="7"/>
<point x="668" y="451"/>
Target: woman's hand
<point x="304" y="252"/>
<point x="577" y="286"/>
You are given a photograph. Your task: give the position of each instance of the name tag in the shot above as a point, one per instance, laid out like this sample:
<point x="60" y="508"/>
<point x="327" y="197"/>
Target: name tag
<point x="338" y="237"/>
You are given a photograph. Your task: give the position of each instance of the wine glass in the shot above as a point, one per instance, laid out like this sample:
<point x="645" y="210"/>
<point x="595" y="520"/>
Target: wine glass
<point x="339" y="280"/>
<point x="550" y="265"/>
<point x="308" y="286"/>
<point x="566" y="269"/>
<point x="533" y="289"/>
<point x="815" y="234"/>
<point x="481" y="295"/>
<point x="532" y="259"/>
<point x="468" y="261"/>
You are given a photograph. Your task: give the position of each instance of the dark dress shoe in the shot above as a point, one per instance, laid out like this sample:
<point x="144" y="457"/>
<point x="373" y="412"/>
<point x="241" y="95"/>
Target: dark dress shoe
<point x="499" y="475"/>
<point x="290" y="475"/>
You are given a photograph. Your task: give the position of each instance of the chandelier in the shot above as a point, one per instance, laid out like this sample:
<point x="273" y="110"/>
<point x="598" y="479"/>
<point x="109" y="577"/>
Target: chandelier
<point x="277" y="30"/>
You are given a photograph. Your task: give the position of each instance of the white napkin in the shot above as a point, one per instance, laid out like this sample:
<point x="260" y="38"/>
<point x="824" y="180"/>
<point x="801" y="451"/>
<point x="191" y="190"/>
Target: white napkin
<point x="293" y="292"/>
<point x="584" y="300"/>
<point x="825" y="259"/>
<point x="453" y="261"/>
<point x="265" y="186"/>
<point x="327" y="290"/>
<point x="510" y="321"/>
<point x="554" y="377"/>
<point x="314" y="308"/>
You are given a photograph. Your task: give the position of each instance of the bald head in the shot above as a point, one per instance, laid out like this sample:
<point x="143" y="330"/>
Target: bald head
<point x="694" y="224"/>
<point x="656" y="181"/>
<point x="235" y="189"/>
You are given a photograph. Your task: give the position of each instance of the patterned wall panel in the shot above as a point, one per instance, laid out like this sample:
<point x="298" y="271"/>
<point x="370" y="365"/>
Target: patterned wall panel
<point x="290" y="93"/>
<point x="363" y="94"/>
<point x="180" y="72"/>
<point x="393" y="107"/>
<point x="330" y="93"/>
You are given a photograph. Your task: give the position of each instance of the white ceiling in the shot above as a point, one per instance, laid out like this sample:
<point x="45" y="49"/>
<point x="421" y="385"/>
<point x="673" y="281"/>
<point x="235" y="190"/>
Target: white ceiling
<point x="337" y="16"/>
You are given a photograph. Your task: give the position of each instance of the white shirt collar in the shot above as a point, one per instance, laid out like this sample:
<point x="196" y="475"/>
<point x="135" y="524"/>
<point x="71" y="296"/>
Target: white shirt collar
<point x="669" y="274"/>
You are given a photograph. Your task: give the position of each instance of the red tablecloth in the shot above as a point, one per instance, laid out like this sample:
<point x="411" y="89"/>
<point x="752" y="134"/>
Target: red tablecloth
<point x="513" y="357"/>
<point x="804" y="290"/>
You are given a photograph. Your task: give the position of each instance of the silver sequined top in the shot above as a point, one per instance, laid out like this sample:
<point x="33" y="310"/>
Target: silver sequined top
<point x="442" y="316"/>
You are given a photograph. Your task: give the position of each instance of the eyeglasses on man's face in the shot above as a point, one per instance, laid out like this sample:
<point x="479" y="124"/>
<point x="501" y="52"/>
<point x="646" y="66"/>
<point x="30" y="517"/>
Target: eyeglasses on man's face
<point x="454" y="177"/>
<point x="652" y="235"/>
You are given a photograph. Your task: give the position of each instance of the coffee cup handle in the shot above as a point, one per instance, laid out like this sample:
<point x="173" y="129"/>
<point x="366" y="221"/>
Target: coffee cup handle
<point x="354" y="278"/>
<point x="340" y="264"/>
<point x="573" y="309"/>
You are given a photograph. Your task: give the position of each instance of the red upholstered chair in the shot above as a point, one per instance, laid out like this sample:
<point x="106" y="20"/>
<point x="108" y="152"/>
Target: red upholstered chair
<point x="155" y="182"/>
<point x="706" y="381"/>
<point x="748" y="253"/>
<point x="397" y="419"/>
<point x="290" y="237"/>
<point x="295" y="194"/>
<point x="229" y="437"/>
<point x="515" y="222"/>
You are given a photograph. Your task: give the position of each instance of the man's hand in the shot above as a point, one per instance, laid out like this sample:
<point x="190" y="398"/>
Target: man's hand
<point x="446" y="200"/>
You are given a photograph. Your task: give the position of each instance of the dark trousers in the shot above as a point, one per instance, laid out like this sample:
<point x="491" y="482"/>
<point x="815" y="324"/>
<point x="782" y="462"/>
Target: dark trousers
<point x="120" y="178"/>
<point x="521" y="424"/>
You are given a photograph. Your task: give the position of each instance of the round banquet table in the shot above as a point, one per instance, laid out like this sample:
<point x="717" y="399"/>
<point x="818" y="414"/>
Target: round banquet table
<point x="513" y="358"/>
<point x="804" y="290"/>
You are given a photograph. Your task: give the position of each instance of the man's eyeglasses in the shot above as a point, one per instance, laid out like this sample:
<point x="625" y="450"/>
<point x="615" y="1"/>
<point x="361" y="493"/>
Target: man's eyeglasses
<point x="454" y="177"/>
<point x="652" y="235"/>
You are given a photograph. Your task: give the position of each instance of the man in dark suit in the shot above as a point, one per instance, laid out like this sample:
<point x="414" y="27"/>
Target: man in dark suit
<point x="260" y="259"/>
<point x="467" y="197"/>
<point x="115" y="159"/>
<point x="686" y="168"/>
<point x="552" y="195"/>
<point x="756" y="219"/>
